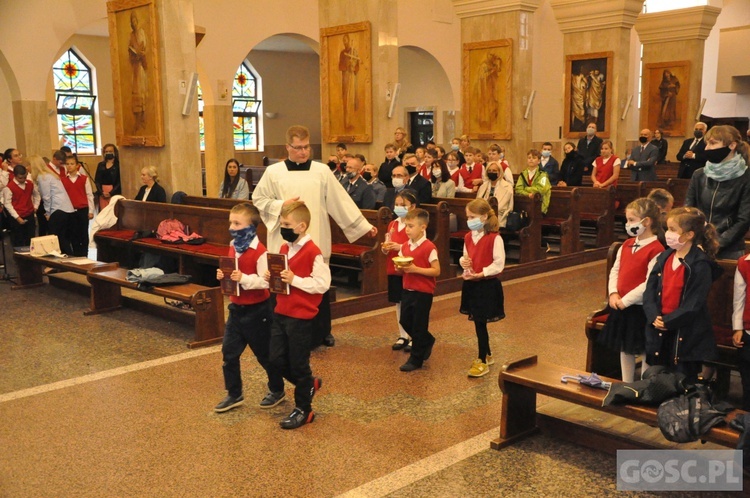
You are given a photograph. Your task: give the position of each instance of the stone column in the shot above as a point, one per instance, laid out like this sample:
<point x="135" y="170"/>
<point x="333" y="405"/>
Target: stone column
<point x="31" y="121"/>
<point x="217" y="123"/>
<point x="384" y="43"/>
<point x="489" y="20"/>
<point x="603" y="25"/>
<point x="178" y="162"/>
<point x="677" y="35"/>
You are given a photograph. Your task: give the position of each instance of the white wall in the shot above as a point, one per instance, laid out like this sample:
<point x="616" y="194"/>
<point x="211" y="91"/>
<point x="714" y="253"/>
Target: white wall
<point x="7" y="124"/>
<point x="548" y="68"/>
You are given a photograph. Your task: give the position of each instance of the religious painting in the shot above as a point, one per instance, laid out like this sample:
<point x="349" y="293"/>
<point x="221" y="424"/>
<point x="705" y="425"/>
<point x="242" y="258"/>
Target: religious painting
<point x="486" y="87"/>
<point x="346" y="83"/>
<point x="664" y="97"/>
<point x="587" y="97"/>
<point x="134" y="46"/>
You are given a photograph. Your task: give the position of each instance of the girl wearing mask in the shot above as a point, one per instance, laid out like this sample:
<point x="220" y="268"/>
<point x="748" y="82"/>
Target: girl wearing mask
<point x="107" y="177"/>
<point x="496" y="186"/>
<point x="442" y="185"/>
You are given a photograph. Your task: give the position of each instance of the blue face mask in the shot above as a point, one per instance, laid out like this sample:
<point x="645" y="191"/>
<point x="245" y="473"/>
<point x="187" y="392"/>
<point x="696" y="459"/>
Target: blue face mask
<point x="243" y="237"/>
<point x="475" y="224"/>
<point x="400" y="211"/>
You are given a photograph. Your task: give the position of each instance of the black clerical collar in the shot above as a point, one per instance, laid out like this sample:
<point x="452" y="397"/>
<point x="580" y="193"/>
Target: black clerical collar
<point x="292" y="166"/>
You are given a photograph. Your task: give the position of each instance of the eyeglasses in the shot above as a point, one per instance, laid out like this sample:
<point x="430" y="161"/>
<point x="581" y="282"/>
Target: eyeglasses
<point x="300" y="147"/>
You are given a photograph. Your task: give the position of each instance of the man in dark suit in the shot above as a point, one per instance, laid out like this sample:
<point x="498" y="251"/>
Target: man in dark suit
<point x="692" y="154"/>
<point x="642" y="161"/>
<point x="417" y="182"/>
<point x="399" y="177"/>
<point x="589" y="148"/>
<point x="361" y="193"/>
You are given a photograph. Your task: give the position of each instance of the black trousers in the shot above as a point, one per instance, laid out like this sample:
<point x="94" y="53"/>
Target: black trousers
<point x="78" y="231"/>
<point x="248" y="326"/>
<point x="745" y="372"/>
<point x="21" y="234"/>
<point x="41" y="220"/>
<point x="291" y="340"/>
<point x="59" y="224"/>
<point x="322" y="321"/>
<point x="415" y="319"/>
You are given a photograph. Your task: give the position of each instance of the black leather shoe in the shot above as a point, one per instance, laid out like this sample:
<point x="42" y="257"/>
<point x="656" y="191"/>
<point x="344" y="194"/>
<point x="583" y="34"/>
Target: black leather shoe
<point x="409" y="367"/>
<point x="428" y="351"/>
<point x="329" y="341"/>
<point x="407" y="348"/>
<point x="296" y="419"/>
<point x="228" y="403"/>
<point x="400" y="344"/>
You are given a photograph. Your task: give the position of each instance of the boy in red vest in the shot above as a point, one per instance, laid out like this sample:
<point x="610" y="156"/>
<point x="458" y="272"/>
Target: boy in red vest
<point x="419" y="287"/>
<point x="470" y="174"/>
<point x="250" y="316"/>
<point x="309" y="278"/>
<point x="21" y="201"/>
<point x="81" y="196"/>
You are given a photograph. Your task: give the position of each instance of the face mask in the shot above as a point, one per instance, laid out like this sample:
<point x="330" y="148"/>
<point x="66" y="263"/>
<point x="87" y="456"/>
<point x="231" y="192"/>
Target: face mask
<point x="454" y="147"/>
<point x="474" y="224"/>
<point x="109" y="156"/>
<point x="546" y="153"/>
<point x="351" y="174"/>
<point x="717" y="155"/>
<point x="397" y="182"/>
<point x="367" y="176"/>
<point x="590" y="132"/>
<point x="492" y="176"/>
<point x="642" y="140"/>
<point x="569" y="154"/>
<point x="333" y="165"/>
<point x="288" y="234"/>
<point x="243" y="237"/>
<point x="411" y="170"/>
<point x="634" y="229"/>
<point x="452" y="164"/>
<point x="400" y="211"/>
<point x="698" y="134"/>
<point x="673" y="240"/>
<point x="436" y="173"/>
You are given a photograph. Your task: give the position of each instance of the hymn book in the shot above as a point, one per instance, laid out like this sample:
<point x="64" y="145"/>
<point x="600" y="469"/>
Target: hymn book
<point x="228" y="286"/>
<point x="276" y="264"/>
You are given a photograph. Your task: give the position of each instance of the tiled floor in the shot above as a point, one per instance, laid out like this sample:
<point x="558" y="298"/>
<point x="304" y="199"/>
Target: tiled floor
<point x="114" y="405"/>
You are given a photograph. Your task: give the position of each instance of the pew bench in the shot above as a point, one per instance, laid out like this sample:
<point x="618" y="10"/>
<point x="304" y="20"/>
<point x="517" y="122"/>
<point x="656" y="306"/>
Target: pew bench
<point x="521" y="381"/>
<point x="607" y="362"/>
<point x="30" y="268"/>
<point x="563" y="218"/>
<point x="597" y="212"/>
<point x="207" y="302"/>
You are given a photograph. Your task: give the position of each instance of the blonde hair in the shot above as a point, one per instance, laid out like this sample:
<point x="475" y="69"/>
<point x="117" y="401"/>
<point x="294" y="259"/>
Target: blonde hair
<point x="37" y="166"/>
<point x="692" y="219"/>
<point x="151" y="171"/>
<point x="482" y="207"/>
<point x="247" y="209"/>
<point x="298" y="211"/>
<point x="662" y="197"/>
<point x="728" y="134"/>
<point x="644" y="207"/>
<point x="296" y="131"/>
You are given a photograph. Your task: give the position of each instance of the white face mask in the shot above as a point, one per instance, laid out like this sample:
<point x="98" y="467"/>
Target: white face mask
<point x="397" y="182"/>
<point x="546" y="153"/>
<point x="673" y="240"/>
<point x="634" y="229"/>
<point x="436" y="173"/>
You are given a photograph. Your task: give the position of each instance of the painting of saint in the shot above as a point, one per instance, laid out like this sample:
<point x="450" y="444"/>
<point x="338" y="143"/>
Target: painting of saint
<point x="137" y="56"/>
<point x="665" y="93"/>
<point x="349" y="67"/>
<point x="487" y="89"/>
<point x="668" y="90"/>
<point x="587" y="95"/>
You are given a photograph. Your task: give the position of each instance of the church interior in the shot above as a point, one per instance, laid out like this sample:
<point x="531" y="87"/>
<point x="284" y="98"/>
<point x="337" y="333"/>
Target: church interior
<point x="115" y="404"/>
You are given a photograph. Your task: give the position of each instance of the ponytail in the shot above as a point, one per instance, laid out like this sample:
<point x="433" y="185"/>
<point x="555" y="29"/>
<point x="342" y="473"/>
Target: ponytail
<point x="482" y="207"/>
<point x="692" y="219"/>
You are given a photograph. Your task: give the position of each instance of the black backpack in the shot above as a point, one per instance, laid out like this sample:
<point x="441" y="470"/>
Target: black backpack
<point x="687" y="417"/>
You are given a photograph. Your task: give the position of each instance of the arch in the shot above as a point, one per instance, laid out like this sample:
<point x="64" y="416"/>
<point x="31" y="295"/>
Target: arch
<point x="416" y="66"/>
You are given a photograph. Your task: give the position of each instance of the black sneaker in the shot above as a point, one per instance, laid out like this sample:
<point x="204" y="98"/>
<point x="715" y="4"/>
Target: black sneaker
<point x="296" y="419"/>
<point x="272" y="399"/>
<point x="329" y="341"/>
<point x="317" y="384"/>
<point x="409" y="367"/>
<point x="228" y="403"/>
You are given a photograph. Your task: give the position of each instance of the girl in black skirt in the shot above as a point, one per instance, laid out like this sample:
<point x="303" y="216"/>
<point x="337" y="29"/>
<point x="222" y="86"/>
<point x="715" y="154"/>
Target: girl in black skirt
<point x="404" y="202"/>
<point x="482" y="293"/>
<point x="625" y="328"/>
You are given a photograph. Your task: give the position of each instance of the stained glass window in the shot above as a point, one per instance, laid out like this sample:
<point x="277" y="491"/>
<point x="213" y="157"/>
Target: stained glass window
<point x="245" y="108"/>
<point x="76" y="120"/>
<point x="201" y="128"/>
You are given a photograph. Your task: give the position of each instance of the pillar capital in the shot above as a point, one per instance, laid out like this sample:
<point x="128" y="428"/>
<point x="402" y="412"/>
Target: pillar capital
<point x="471" y="8"/>
<point x="574" y="16"/>
<point x="694" y="23"/>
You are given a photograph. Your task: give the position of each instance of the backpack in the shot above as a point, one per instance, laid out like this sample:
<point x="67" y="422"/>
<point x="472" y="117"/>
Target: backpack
<point x="687" y="417"/>
<point x="167" y="228"/>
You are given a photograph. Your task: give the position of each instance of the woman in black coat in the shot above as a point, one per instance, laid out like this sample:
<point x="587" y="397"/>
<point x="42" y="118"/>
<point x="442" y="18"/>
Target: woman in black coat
<point x="151" y="191"/>
<point x="572" y="167"/>
<point x="107" y="177"/>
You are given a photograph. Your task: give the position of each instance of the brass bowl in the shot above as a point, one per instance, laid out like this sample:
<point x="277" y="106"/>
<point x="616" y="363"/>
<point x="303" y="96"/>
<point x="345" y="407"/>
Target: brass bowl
<point x="402" y="261"/>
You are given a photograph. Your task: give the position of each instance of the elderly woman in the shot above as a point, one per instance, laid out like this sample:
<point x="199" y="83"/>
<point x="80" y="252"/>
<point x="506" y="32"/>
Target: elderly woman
<point x="721" y="189"/>
<point x="150" y="191"/>
<point x="234" y="186"/>
<point x="496" y="186"/>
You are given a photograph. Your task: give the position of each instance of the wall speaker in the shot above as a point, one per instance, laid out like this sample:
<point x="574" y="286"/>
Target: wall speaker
<point x="394" y="98"/>
<point x="187" y="105"/>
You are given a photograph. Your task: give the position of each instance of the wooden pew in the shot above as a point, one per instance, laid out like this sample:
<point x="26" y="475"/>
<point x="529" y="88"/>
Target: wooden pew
<point x="363" y="256"/>
<point x="30" y="268"/>
<point x="438" y="231"/>
<point x="597" y="210"/>
<point x="208" y="302"/>
<point x="678" y="187"/>
<point x="607" y="362"/>
<point x="564" y="216"/>
<point x="521" y="381"/>
<point x="529" y="238"/>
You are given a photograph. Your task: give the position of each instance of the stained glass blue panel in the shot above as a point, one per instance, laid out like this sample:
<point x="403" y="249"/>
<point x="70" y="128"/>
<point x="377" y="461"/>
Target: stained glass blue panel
<point x="75" y="103"/>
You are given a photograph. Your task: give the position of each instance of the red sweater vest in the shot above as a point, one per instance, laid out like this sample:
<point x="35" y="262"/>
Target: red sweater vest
<point x="76" y="190"/>
<point x="743" y="266"/>
<point x="476" y="174"/>
<point x="421" y="256"/>
<point x="425" y="171"/>
<point x="248" y="264"/>
<point x="481" y="253"/>
<point x="300" y="304"/>
<point x="21" y="198"/>
<point x="671" y="286"/>
<point x="455" y="175"/>
<point x="604" y="170"/>
<point x="633" y="267"/>
<point x="399" y="237"/>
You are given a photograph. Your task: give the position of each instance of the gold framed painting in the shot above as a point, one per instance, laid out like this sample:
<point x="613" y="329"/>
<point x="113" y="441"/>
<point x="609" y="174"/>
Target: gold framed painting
<point x="664" y="100"/>
<point x="346" y="83"/>
<point x="486" y="86"/>
<point x="134" y="47"/>
<point x="587" y="98"/>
